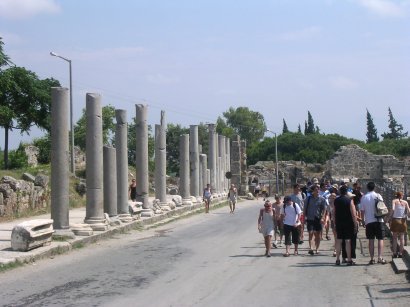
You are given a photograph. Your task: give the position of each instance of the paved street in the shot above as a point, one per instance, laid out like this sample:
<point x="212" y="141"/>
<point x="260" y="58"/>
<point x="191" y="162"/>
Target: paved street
<point x="205" y="260"/>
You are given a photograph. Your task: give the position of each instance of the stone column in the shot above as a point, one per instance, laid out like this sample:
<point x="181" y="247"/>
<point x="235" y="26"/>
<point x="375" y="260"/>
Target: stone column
<point x="141" y="155"/>
<point x="236" y="169"/>
<point x="160" y="165"/>
<point x="212" y="157"/>
<point x="221" y="149"/>
<point x="194" y="160"/>
<point x="228" y="159"/>
<point x="244" y="174"/>
<point x="110" y="181"/>
<point x="121" y="145"/>
<point x="217" y="172"/>
<point x="184" y="169"/>
<point x="94" y="166"/>
<point x="203" y="162"/>
<point x="59" y="159"/>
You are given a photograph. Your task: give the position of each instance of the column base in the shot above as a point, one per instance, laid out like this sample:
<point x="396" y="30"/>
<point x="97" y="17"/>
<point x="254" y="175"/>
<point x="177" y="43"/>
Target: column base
<point x="82" y="230"/>
<point x="125" y="218"/>
<point x="147" y="213"/>
<point x="97" y="224"/>
<point x="186" y="202"/>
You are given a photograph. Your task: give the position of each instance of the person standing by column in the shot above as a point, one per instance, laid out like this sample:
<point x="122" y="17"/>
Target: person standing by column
<point x="374" y="225"/>
<point x="132" y="190"/>
<point x="232" y="196"/>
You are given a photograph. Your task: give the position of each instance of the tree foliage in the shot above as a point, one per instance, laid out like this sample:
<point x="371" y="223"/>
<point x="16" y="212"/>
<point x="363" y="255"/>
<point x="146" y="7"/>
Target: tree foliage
<point x="310" y="125"/>
<point x="396" y="130"/>
<point x="371" y="134"/>
<point x="25" y="101"/>
<point x="132" y="144"/>
<point x="173" y="134"/>
<point x="108" y="127"/>
<point x="285" y="127"/>
<point x="249" y="125"/>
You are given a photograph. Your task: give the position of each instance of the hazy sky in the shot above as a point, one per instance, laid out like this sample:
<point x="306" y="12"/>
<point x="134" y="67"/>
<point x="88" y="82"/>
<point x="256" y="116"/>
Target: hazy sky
<point x="196" y="58"/>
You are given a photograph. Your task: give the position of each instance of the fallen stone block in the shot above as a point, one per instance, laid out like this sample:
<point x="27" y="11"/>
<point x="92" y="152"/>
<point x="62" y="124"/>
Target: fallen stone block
<point x="82" y="229"/>
<point x="31" y="234"/>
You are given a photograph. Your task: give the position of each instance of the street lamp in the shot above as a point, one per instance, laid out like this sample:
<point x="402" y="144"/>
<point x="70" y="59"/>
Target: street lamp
<point x="72" y="165"/>
<point x="276" y="159"/>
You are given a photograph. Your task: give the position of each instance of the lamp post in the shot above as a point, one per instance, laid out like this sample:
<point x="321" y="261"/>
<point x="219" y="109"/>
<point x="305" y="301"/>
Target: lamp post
<point x="276" y="159"/>
<point x="72" y="165"/>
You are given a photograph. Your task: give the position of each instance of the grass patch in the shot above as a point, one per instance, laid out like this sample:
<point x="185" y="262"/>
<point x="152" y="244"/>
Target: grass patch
<point x="78" y="245"/>
<point x="10" y="266"/>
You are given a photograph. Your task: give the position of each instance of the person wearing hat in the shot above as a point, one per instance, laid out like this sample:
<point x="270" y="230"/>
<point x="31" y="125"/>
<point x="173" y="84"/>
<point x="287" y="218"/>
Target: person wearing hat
<point x="291" y="213"/>
<point x="265" y="225"/>
<point x="278" y="227"/>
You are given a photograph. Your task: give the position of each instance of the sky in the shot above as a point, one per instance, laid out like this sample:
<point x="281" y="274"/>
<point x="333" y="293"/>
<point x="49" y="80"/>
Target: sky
<point x="196" y="59"/>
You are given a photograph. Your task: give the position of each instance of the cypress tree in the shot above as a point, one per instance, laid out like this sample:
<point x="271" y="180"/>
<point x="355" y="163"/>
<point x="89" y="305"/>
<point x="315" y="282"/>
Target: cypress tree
<point x="371" y="129"/>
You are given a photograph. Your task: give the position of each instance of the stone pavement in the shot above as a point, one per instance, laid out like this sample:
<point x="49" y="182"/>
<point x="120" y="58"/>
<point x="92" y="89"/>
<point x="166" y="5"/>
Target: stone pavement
<point x="77" y="216"/>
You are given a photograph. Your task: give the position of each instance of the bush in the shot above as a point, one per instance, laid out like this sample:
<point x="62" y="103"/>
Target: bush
<point x="18" y="158"/>
<point x="44" y="146"/>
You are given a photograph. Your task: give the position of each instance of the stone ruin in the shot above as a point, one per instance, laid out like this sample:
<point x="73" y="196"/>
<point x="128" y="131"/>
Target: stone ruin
<point x="20" y="195"/>
<point x="350" y="163"/>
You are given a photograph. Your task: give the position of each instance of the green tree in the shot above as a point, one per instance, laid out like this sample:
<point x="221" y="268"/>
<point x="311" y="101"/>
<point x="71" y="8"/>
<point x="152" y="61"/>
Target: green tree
<point x="108" y="127"/>
<point x="310" y="126"/>
<point x="285" y="127"/>
<point x="173" y="134"/>
<point x="249" y="125"/>
<point x="395" y="129"/>
<point x="299" y="129"/>
<point x="371" y="133"/>
<point x="25" y="101"/>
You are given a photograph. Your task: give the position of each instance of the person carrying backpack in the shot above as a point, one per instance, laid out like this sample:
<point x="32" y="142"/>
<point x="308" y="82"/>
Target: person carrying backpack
<point x="291" y="213"/>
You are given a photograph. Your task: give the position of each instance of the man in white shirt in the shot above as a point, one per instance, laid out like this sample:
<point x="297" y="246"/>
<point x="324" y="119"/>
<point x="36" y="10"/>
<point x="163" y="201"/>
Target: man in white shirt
<point x="374" y="226"/>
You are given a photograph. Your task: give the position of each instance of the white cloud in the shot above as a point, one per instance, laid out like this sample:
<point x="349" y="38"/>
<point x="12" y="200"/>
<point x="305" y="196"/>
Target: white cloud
<point x="303" y="34"/>
<point x="342" y="83"/>
<point x="20" y="9"/>
<point x="384" y="8"/>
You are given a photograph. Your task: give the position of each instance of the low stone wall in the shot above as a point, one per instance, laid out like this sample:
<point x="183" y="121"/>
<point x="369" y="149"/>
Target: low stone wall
<point x="29" y="193"/>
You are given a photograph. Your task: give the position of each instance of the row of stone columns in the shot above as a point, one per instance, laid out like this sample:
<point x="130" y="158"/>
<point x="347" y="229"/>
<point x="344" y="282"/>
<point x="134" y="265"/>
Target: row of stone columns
<point x="109" y="193"/>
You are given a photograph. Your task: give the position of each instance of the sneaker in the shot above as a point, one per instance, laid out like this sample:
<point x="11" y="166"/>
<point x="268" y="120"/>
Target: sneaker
<point x="300" y="242"/>
<point x="268" y="255"/>
<point x="381" y="261"/>
<point x="310" y="252"/>
<point x="274" y="245"/>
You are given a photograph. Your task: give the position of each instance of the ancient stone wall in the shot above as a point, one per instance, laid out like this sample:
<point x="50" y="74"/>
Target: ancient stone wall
<point x="18" y="196"/>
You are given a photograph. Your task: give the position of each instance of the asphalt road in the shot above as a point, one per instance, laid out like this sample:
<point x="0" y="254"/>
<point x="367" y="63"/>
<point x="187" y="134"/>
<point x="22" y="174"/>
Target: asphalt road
<point x="213" y="259"/>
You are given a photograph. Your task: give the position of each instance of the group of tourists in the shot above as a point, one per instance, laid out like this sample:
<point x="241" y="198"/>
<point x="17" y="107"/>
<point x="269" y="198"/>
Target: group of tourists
<point x="325" y="207"/>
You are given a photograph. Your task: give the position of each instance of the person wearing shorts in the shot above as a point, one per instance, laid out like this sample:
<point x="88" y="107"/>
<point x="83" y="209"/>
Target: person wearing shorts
<point x="315" y="213"/>
<point x="374" y="226"/>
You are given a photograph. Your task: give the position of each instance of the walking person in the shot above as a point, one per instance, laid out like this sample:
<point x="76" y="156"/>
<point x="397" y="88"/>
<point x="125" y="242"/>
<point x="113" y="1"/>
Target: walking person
<point x="315" y="213"/>
<point x="265" y="225"/>
<point x="374" y="225"/>
<point x="346" y="224"/>
<point x="278" y="227"/>
<point x="232" y="196"/>
<point x="398" y="222"/>
<point x="353" y="240"/>
<point x="291" y="213"/>
<point x="132" y="190"/>
<point x="257" y="190"/>
<point x="206" y="196"/>
<point x="297" y="197"/>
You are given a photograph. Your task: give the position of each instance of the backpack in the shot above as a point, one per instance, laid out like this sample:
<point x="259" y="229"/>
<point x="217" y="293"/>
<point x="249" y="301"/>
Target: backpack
<point x="381" y="208"/>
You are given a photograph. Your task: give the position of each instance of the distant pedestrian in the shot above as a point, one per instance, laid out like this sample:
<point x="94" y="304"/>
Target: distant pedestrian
<point x="257" y="190"/>
<point x="278" y="227"/>
<point x="265" y="225"/>
<point x="132" y="190"/>
<point x="374" y="225"/>
<point x="207" y="196"/>
<point x="398" y="222"/>
<point x="291" y="213"/>
<point x="297" y="197"/>
<point x="232" y="196"/>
